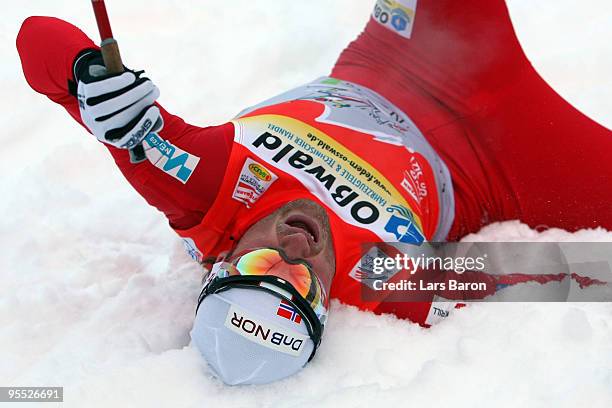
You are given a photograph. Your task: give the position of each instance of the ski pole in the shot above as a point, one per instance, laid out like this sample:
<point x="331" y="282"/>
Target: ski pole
<point x="112" y="60"/>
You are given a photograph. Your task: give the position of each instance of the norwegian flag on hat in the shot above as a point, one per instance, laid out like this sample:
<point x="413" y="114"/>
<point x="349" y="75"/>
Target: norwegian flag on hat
<point x="286" y="310"/>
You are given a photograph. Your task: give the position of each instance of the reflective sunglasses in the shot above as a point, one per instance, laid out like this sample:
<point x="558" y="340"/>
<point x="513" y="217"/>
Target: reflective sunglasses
<point x="268" y="261"/>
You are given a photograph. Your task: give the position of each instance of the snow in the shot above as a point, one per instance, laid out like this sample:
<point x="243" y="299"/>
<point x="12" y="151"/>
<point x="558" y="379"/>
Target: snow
<point x="98" y="295"/>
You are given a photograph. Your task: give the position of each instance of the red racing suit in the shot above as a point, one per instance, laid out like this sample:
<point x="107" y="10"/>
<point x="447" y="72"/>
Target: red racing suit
<point x="505" y="146"/>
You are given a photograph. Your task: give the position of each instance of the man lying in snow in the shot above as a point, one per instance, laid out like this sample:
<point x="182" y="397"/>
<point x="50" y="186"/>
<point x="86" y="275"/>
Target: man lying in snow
<point x="431" y="124"/>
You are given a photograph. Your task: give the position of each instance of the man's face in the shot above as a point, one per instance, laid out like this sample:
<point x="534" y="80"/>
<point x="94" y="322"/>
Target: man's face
<point x="301" y="230"/>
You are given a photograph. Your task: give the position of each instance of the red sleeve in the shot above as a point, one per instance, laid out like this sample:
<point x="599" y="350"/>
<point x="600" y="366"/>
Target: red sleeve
<point x="48" y="46"/>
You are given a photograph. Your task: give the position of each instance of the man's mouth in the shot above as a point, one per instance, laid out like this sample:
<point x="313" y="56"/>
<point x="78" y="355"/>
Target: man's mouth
<point x="303" y="224"/>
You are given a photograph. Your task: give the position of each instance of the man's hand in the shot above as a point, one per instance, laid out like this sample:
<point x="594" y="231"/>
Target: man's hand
<point x="118" y="109"/>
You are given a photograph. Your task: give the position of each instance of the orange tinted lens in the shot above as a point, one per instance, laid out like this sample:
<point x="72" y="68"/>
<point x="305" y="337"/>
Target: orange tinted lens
<point x="270" y="262"/>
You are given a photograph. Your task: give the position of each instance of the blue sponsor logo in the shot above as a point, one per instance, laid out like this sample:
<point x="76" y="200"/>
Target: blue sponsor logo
<point x="173" y="161"/>
<point x="184" y="172"/>
<point x="403" y="226"/>
<point x="399" y="19"/>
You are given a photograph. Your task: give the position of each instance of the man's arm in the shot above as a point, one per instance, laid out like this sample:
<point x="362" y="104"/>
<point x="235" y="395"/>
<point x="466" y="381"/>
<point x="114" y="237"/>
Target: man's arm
<point x="48" y="47"/>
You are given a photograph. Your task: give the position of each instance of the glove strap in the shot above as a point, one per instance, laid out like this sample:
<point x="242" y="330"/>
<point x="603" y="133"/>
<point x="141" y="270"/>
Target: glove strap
<point x="81" y="62"/>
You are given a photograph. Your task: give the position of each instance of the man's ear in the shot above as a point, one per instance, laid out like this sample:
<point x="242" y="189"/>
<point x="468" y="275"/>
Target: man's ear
<point x="222" y="256"/>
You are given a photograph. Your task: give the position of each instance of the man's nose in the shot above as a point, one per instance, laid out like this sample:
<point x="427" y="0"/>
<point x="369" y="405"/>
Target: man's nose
<point x="295" y="246"/>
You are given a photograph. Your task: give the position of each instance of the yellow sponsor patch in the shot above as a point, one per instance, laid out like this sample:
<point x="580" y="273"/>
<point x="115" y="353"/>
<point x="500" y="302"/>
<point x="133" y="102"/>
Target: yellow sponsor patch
<point x="260" y="172"/>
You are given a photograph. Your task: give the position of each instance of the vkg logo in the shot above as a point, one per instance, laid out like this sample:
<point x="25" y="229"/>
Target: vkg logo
<point x="169" y="158"/>
<point x="402" y="225"/>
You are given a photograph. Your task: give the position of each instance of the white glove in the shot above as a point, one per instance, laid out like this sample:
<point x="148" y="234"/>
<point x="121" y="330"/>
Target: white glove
<point x="118" y="109"/>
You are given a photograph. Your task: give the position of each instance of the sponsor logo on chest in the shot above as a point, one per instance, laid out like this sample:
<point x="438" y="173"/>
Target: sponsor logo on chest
<point x="357" y="194"/>
<point x="254" y="180"/>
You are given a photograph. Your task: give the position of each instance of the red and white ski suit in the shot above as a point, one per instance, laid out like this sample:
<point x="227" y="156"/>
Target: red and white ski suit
<point x="513" y="147"/>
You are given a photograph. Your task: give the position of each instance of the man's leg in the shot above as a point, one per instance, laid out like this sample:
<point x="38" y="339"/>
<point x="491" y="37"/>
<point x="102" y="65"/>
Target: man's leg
<point x="556" y="160"/>
<point x="438" y="76"/>
<point x="515" y="149"/>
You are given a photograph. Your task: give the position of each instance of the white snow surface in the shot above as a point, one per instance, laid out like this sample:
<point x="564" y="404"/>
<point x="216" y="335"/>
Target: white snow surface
<point x="98" y="296"/>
